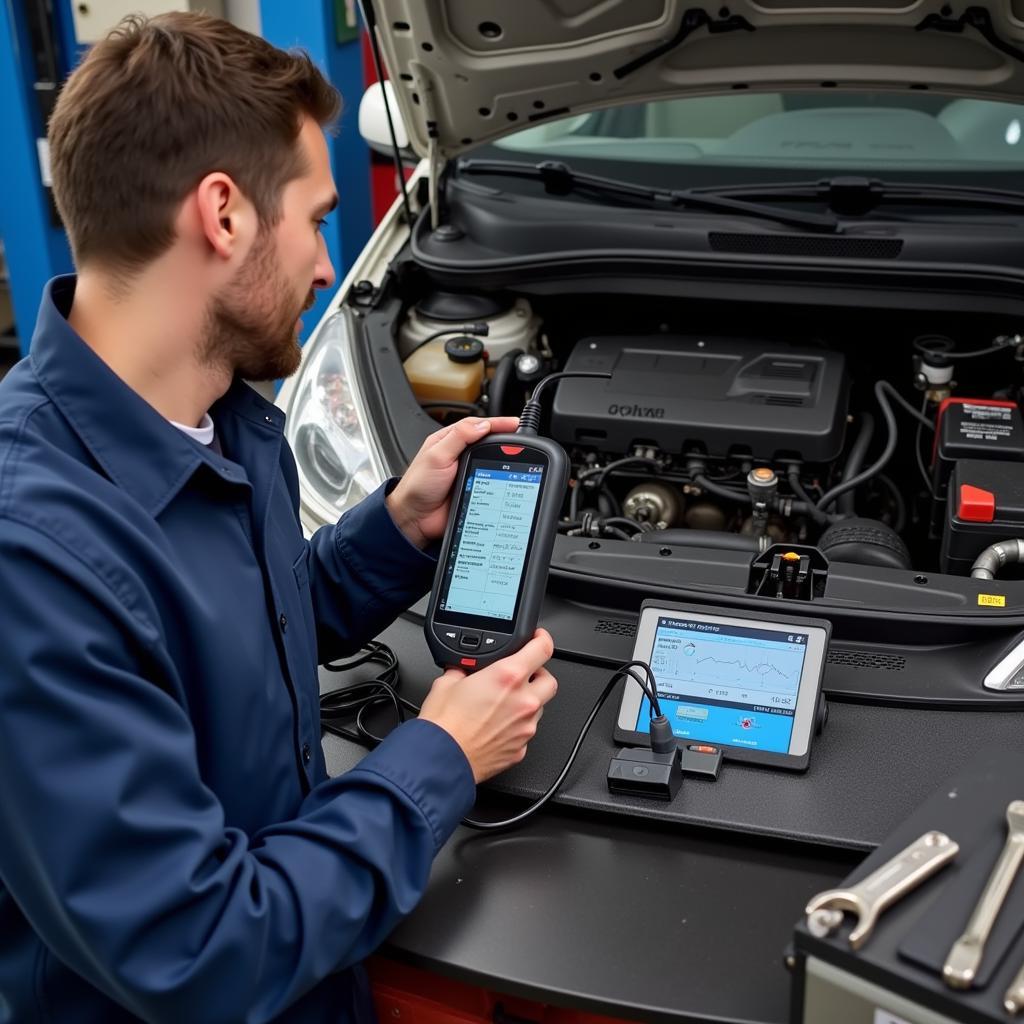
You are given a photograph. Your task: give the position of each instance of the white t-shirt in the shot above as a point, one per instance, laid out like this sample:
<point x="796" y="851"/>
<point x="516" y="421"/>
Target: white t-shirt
<point x="203" y="433"/>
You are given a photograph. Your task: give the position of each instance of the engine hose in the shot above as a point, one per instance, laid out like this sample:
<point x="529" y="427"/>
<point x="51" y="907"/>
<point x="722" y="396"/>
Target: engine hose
<point x="806" y="502"/>
<point x="722" y="492"/>
<point x="994" y="557"/>
<point x="703" y="539"/>
<point x="856" y="460"/>
<point x="881" y="387"/>
<point x="503" y="373"/>
<point x="623" y="521"/>
<point x="601" y="473"/>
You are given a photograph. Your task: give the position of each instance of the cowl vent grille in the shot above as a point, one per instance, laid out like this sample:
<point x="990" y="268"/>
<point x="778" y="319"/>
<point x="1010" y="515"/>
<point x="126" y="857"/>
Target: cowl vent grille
<point x="615" y="627"/>
<point x="862" y="659"/>
<point x="803" y="245"/>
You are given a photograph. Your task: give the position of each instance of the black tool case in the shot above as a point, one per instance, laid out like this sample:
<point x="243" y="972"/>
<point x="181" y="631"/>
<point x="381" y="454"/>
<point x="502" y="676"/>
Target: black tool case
<point x="895" y="977"/>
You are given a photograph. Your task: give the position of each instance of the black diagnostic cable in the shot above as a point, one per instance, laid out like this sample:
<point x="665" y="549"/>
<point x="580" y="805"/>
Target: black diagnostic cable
<point x="662" y="741"/>
<point x="352" y="702"/>
<point x="529" y="418"/>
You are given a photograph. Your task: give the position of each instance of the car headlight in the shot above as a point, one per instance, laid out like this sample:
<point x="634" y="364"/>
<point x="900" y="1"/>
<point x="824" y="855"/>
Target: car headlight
<point x="328" y="429"/>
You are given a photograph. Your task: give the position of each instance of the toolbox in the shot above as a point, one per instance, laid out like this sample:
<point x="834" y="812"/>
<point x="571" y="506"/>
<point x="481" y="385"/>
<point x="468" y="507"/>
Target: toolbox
<point x="895" y="976"/>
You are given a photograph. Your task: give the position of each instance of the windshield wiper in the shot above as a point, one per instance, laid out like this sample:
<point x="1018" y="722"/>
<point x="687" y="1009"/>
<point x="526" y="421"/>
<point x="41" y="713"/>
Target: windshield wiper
<point x="560" y="179"/>
<point x="855" y="196"/>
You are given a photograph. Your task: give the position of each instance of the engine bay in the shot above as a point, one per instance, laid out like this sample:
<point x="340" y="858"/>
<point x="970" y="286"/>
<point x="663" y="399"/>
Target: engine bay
<point x="893" y="441"/>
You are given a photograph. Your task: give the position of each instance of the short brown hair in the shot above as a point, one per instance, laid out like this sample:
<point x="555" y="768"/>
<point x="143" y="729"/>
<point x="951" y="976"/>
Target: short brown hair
<point x="155" y="107"/>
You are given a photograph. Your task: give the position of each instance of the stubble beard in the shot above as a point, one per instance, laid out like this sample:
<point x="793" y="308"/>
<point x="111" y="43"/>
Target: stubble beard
<point x="250" y="329"/>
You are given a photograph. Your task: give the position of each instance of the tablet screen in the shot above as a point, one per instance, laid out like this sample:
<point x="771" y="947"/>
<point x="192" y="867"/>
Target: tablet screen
<point x="745" y="681"/>
<point x="727" y="684"/>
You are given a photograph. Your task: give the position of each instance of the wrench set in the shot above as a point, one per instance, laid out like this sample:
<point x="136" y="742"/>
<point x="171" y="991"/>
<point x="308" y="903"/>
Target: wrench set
<point x="919" y="861"/>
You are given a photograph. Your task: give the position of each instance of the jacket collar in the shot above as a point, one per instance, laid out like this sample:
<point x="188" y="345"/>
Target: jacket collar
<point x="141" y="451"/>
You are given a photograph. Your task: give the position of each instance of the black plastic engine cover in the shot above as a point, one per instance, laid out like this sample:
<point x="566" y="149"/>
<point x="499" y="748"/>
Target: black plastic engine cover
<point x="722" y="396"/>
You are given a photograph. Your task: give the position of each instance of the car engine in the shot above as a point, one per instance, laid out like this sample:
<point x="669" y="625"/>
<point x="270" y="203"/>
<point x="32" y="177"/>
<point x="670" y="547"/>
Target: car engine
<point x="733" y="441"/>
<point x="721" y="397"/>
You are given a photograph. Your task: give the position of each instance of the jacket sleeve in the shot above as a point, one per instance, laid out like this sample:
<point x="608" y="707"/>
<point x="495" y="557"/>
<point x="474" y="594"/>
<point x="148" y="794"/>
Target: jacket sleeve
<point x="363" y="572"/>
<point x="118" y="853"/>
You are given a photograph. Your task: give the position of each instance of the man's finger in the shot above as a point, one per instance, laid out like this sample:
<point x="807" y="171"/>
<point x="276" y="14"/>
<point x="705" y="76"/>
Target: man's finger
<point x="543" y="685"/>
<point x="451" y="676"/>
<point x="448" y="448"/>
<point x="436" y="436"/>
<point x="503" y="424"/>
<point x="532" y="655"/>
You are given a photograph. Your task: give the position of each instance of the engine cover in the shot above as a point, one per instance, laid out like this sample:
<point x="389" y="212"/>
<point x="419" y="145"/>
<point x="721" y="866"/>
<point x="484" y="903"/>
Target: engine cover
<point x="722" y="396"/>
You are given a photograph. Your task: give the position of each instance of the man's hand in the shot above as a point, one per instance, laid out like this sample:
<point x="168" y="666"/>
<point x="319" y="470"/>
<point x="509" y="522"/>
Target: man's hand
<point x="493" y="713"/>
<point x="419" y="504"/>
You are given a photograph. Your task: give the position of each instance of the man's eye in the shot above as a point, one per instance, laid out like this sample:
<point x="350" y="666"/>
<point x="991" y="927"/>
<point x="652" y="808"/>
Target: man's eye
<point x="321" y="224"/>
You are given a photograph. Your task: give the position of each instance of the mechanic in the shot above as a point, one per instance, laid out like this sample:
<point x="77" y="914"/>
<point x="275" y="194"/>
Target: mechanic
<point x="172" y="848"/>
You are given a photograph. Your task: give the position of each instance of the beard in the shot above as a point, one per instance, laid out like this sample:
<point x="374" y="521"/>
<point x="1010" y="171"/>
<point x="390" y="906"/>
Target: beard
<point x="251" y="328"/>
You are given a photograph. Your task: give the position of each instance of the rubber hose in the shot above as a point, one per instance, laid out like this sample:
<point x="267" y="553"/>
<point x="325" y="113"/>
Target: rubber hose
<point x="994" y="557"/>
<point x="722" y="492"/>
<point x="856" y="460"/>
<point x="881" y="387"/>
<point x="806" y="505"/>
<point x="503" y="372"/>
<point x="702" y="539"/>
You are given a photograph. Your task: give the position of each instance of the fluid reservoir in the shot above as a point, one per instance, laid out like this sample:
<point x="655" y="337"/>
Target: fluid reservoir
<point x="512" y="324"/>
<point x="447" y="370"/>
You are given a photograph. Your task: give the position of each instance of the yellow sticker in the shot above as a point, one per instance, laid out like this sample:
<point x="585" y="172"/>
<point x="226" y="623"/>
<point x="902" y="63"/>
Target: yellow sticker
<point x="992" y="600"/>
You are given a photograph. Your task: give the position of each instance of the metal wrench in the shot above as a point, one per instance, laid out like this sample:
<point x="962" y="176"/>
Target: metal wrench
<point x="1013" y="1001"/>
<point x="964" y="958"/>
<point x="893" y="880"/>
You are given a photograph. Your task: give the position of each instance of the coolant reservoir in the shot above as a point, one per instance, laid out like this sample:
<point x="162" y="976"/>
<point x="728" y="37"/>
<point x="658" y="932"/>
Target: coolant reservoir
<point x="436" y="377"/>
<point x="512" y="325"/>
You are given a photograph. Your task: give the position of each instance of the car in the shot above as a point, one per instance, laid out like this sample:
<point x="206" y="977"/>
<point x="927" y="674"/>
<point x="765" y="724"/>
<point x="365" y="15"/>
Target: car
<point x="794" y="236"/>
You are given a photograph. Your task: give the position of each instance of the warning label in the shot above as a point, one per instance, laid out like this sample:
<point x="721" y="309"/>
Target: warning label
<point x="985" y="422"/>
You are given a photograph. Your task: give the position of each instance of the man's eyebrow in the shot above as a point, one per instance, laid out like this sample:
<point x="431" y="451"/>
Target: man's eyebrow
<point x="324" y="208"/>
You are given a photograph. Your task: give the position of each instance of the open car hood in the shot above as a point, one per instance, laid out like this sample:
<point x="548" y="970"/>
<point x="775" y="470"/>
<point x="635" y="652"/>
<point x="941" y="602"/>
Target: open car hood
<point x="471" y="71"/>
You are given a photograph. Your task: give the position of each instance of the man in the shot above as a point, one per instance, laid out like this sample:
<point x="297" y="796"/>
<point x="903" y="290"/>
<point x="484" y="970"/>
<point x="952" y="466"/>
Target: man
<point x="170" y="846"/>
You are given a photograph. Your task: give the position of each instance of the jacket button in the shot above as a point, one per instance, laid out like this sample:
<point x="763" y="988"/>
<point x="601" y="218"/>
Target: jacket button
<point x="283" y="622"/>
<point x="306" y="753"/>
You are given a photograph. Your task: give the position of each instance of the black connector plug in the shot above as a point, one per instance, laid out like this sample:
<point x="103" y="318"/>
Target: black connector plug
<point x="637" y="771"/>
<point x="662" y="740"/>
<point x="654" y="773"/>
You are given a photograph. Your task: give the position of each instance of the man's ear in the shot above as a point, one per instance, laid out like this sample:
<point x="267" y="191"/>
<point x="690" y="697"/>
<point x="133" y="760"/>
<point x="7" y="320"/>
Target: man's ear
<point x="227" y="218"/>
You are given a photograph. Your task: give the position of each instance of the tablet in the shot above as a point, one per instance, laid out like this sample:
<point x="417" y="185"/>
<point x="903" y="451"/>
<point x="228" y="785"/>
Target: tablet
<point x="747" y="682"/>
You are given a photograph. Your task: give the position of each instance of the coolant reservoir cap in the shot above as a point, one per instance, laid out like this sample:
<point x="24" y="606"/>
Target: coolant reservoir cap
<point x="464" y="349"/>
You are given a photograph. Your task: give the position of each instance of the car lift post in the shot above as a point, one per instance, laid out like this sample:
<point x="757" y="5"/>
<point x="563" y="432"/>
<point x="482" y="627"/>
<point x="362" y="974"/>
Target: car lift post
<point x="35" y="246"/>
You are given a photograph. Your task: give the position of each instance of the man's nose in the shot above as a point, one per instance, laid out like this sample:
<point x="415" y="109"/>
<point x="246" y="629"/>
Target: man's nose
<point x="323" y="273"/>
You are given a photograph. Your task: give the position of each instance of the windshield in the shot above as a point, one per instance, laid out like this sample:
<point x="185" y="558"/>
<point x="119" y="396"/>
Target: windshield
<point x="747" y="136"/>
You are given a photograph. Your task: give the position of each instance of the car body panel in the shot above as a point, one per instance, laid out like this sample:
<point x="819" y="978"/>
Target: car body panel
<point x="467" y="73"/>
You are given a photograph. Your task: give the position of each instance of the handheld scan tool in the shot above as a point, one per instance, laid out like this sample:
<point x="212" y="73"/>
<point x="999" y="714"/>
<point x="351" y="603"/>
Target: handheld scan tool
<point x="493" y="566"/>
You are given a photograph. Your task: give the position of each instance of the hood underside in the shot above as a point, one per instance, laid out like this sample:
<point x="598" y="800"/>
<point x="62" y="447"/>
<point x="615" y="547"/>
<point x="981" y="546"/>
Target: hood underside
<point x="471" y="72"/>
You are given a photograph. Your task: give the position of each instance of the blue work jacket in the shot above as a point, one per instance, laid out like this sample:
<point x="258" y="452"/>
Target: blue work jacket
<point x="170" y="845"/>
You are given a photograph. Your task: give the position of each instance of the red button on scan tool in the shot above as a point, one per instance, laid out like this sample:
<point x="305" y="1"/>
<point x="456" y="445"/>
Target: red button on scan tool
<point x="468" y="662"/>
<point x="511" y="449"/>
<point x="976" y="505"/>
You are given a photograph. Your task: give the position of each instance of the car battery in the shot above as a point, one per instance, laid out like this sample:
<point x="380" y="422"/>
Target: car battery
<point x="985" y="505"/>
<point x="974" y="428"/>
